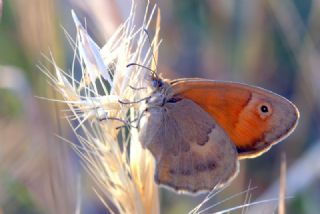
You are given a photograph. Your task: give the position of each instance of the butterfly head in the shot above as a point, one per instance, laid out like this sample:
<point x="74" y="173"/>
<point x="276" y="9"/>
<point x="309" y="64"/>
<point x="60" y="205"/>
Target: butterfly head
<point x="160" y="88"/>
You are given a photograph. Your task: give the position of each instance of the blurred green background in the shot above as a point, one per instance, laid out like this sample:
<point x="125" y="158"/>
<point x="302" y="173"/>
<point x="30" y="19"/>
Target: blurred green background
<point x="268" y="43"/>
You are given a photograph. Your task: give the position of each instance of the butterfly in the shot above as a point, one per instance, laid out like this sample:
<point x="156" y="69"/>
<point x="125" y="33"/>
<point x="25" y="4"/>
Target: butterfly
<point x="198" y="129"/>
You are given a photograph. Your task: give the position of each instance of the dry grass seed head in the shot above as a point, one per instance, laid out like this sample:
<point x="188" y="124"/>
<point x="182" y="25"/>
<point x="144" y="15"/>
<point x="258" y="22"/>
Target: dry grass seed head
<point x="124" y="175"/>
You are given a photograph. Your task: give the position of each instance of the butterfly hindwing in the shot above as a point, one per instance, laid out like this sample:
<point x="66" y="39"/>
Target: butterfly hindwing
<point x="192" y="151"/>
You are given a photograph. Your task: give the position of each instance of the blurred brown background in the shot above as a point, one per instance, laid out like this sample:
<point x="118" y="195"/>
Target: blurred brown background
<point x="269" y="43"/>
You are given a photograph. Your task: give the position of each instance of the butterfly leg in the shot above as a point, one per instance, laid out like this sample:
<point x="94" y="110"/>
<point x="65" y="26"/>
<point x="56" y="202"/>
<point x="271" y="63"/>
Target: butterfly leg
<point x="133" y="102"/>
<point x="137" y="89"/>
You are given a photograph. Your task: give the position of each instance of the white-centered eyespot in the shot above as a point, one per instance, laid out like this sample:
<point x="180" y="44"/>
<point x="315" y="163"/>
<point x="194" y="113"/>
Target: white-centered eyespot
<point x="264" y="110"/>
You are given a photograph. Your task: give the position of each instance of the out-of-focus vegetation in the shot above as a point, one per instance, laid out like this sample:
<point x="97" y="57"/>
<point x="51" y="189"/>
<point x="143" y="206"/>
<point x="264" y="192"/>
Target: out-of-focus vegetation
<point x="269" y="43"/>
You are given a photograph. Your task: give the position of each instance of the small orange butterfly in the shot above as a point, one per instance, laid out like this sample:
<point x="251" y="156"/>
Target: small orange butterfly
<point x="198" y="129"/>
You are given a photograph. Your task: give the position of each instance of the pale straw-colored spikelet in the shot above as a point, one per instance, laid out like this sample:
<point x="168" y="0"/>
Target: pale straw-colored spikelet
<point x="122" y="169"/>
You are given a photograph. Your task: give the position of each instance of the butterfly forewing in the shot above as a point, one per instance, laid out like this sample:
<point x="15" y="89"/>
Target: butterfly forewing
<point x="253" y="118"/>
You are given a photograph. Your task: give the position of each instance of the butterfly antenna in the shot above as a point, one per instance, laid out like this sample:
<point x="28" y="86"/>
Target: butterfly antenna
<point x="131" y="64"/>
<point x="153" y="58"/>
<point x="150" y="43"/>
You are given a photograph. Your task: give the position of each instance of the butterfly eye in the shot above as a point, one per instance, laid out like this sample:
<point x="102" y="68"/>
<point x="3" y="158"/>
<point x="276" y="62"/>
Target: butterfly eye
<point x="264" y="110"/>
<point x="154" y="83"/>
<point x="157" y="83"/>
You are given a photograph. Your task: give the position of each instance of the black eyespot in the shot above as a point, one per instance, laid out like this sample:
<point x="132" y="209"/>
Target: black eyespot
<point x="264" y="109"/>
